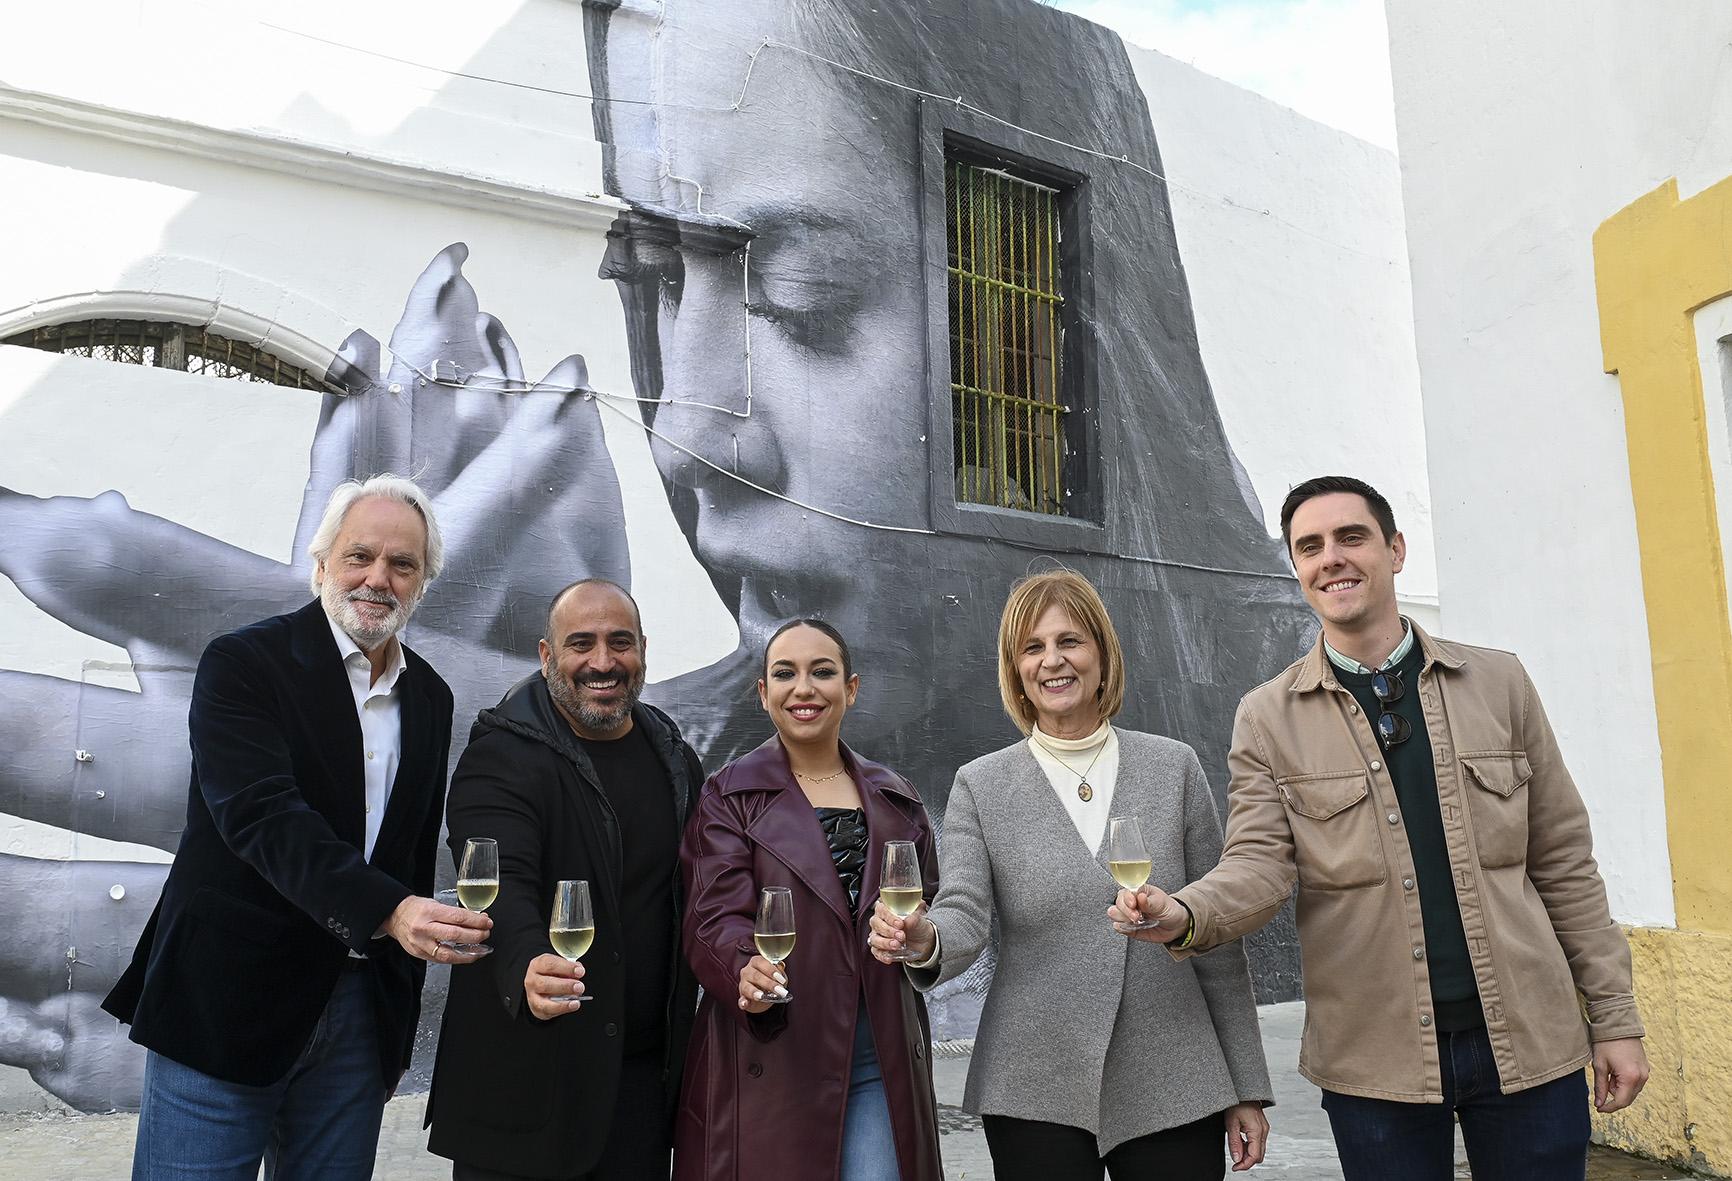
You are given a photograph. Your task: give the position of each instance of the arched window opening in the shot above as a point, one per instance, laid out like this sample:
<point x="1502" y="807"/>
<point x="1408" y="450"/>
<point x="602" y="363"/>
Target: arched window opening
<point x="166" y="345"/>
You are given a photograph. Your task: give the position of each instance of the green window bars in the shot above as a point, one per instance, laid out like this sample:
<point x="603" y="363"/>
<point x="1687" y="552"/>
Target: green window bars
<point x="1006" y="296"/>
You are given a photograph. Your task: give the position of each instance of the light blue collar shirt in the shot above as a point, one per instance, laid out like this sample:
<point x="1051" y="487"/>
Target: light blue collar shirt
<point x="1348" y="664"/>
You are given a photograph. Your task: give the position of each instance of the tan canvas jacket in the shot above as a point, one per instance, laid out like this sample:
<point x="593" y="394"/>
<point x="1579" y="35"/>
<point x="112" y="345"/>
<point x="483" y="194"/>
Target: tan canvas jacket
<point x="1311" y="800"/>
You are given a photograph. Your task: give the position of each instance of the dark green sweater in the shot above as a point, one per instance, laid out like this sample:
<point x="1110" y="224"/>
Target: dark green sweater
<point x="1453" y="992"/>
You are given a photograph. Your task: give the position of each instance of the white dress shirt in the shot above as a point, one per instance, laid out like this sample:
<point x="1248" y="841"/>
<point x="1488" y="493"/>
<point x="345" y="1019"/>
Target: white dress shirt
<point x="379" y="707"/>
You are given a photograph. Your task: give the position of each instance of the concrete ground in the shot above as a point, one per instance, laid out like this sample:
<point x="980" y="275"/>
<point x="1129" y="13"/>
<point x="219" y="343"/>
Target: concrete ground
<point x="51" y="1146"/>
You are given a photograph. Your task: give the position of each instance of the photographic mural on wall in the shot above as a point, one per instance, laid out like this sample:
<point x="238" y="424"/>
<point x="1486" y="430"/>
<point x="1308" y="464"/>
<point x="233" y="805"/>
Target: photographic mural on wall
<point x="804" y="192"/>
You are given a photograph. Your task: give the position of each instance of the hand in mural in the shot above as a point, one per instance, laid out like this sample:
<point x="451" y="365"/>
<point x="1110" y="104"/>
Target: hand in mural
<point x="527" y="498"/>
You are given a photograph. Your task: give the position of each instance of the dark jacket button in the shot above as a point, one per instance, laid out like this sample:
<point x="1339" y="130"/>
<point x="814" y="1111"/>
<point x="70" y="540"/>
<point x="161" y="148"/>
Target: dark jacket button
<point x="755" y="1070"/>
<point x="611" y="1029"/>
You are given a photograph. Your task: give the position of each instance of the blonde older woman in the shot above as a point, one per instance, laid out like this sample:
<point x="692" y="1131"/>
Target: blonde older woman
<point x="1095" y="1053"/>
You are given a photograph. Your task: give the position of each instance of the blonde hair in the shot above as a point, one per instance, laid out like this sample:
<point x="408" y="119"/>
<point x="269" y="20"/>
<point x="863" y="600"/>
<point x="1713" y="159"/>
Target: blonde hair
<point x="1029" y="599"/>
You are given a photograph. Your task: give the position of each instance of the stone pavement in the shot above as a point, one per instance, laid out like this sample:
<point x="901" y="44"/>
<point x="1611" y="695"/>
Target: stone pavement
<point x="54" y="1146"/>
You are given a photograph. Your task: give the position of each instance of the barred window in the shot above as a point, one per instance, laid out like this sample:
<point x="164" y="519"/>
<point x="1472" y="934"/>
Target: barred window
<point x="166" y="345"/>
<point x="1006" y="339"/>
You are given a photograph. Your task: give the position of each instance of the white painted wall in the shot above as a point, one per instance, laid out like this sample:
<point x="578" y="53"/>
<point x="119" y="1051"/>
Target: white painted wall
<point x="1292" y="237"/>
<point x="1521" y="129"/>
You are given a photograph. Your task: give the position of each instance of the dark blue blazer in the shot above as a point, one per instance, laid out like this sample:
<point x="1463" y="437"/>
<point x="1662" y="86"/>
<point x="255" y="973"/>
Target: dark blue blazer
<point x="270" y="889"/>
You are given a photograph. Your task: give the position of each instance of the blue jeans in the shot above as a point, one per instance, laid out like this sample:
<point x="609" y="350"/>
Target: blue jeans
<point x="320" y="1122"/>
<point x="868" y="1144"/>
<point x="1540" y="1134"/>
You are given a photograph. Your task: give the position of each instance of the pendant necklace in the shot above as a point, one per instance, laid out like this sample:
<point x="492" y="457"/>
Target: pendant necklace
<point x="1084" y="790"/>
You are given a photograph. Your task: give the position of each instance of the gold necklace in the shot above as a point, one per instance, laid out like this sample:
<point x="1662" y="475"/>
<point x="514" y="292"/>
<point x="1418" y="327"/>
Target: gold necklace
<point x="821" y="778"/>
<point x="1084" y="791"/>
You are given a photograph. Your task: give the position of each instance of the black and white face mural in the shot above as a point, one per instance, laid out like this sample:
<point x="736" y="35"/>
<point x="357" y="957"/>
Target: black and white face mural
<point x="828" y="403"/>
<point x="817" y="148"/>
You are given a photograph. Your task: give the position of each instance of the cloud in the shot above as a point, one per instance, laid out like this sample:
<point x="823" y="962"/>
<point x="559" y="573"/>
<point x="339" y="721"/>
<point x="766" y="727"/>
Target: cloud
<point x="1327" y="59"/>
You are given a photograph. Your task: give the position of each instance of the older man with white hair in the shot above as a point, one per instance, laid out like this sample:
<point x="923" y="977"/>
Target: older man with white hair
<point x="277" y="985"/>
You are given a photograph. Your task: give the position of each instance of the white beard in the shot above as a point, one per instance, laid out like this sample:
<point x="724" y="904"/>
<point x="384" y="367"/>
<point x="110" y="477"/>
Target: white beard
<point x="340" y="606"/>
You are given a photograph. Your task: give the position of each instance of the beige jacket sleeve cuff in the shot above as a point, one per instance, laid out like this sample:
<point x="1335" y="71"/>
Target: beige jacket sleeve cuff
<point x="1614" y="1018"/>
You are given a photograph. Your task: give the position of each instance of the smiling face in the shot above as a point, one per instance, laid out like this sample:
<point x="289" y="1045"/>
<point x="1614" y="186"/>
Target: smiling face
<point x="371" y="580"/>
<point x="805" y="689"/>
<point x="1345" y="566"/>
<point x="1060" y="668"/>
<point x="593" y="660"/>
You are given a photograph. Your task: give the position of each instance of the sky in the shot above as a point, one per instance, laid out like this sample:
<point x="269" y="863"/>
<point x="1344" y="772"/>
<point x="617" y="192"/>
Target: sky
<point x="1327" y="59"/>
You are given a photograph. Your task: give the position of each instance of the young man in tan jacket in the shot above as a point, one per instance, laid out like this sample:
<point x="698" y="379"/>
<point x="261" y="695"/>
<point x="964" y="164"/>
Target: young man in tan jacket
<point x="1459" y="955"/>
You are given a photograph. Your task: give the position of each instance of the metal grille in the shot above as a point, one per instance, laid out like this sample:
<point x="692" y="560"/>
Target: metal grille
<point x="167" y="346"/>
<point x="1006" y="295"/>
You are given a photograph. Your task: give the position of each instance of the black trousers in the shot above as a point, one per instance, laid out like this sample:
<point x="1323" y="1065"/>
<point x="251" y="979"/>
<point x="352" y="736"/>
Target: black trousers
<point x="1029" y="1150"/>
<point x="639" y="1144"/>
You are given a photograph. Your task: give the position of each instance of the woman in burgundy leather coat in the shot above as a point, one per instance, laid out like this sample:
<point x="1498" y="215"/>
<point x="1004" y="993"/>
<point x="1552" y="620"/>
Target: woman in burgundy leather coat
<point x="837" y="1082"/>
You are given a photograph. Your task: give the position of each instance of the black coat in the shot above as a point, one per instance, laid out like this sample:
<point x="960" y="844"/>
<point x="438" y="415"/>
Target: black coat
<point x="270" y="889"/>
<point x="511" y="1092"/>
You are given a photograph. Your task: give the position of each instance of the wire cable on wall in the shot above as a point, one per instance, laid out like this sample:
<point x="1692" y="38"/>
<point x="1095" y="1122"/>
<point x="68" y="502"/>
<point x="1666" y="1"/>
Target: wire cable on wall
<point x="770" y="43"/>
<point x="610" y="401"/>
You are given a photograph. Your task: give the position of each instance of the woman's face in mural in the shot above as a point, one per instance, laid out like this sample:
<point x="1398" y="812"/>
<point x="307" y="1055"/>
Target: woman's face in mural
<point x="836" y="321"/>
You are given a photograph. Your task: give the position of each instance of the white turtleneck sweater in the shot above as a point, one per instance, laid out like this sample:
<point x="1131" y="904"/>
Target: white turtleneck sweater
<point x="1067" y="761"/>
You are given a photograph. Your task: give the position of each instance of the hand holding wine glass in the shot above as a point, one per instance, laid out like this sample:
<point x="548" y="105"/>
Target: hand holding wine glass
<point x="900" y="892"/>
<point x="571" y="928"/>
<point x="477" y="887"/>
<point x="1150" y="914"/>
<point x="764" y="979"/>
<point x="1128" y="859"/>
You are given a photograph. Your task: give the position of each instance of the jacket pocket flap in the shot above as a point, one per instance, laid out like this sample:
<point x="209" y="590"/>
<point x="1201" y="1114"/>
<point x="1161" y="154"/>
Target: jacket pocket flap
<point x="1500" y="774"/>
<point x="1319" y="797"/>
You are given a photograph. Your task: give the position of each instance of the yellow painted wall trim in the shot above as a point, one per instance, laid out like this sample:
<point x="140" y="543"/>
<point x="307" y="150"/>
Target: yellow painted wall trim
<point x="1656" y="262"/>
<point x="1684" y="1115"/>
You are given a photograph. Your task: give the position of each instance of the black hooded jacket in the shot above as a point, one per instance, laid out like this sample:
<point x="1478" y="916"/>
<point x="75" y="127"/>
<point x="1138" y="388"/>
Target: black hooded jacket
<point x="511" y="1092"/>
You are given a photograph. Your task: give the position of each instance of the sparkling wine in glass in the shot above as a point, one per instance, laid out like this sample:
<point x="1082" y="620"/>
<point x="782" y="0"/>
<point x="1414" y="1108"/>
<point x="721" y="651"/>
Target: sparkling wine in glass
<point x="477" y="886"/>
<point x="1128" y="858"/>
<point x="774" y="931"/>
<point x="571" y="928"/>
<point x="478" y="876"/>
<point x="899" y="887"/>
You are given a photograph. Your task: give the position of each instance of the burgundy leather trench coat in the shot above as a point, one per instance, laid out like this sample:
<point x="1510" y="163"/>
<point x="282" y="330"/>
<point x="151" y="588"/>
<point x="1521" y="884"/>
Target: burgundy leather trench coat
<point x="765" y="1095"/>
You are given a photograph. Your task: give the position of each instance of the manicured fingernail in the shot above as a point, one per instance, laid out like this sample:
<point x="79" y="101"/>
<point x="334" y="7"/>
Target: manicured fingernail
<point x="757" y="994"/>
<point x="742" y="1002"/>
<point x="781" y="979"/>
<point x="781" y="992"/>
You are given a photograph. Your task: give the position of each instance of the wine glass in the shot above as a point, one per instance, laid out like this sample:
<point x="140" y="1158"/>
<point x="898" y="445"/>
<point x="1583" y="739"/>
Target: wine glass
<point x="774" y="932"/>
<point x="899" y="886"/>
<point x="477" y="886"/>
<point x="571" y="929"/>
<point x="1128" y="859"/>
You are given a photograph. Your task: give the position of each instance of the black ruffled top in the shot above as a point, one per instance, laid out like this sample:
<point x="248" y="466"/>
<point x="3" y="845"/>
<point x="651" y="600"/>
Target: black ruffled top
<point x="845" y="830"/>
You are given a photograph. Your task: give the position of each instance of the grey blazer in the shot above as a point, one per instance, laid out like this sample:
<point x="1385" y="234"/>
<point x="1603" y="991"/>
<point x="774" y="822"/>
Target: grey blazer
<point x="1083" y="1026"/>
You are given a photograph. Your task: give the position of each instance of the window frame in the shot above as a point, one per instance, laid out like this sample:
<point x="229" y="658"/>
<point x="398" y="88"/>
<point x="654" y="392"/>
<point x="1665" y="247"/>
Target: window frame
<point x="178" y="346"/>
<point x="947" y="130"/>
